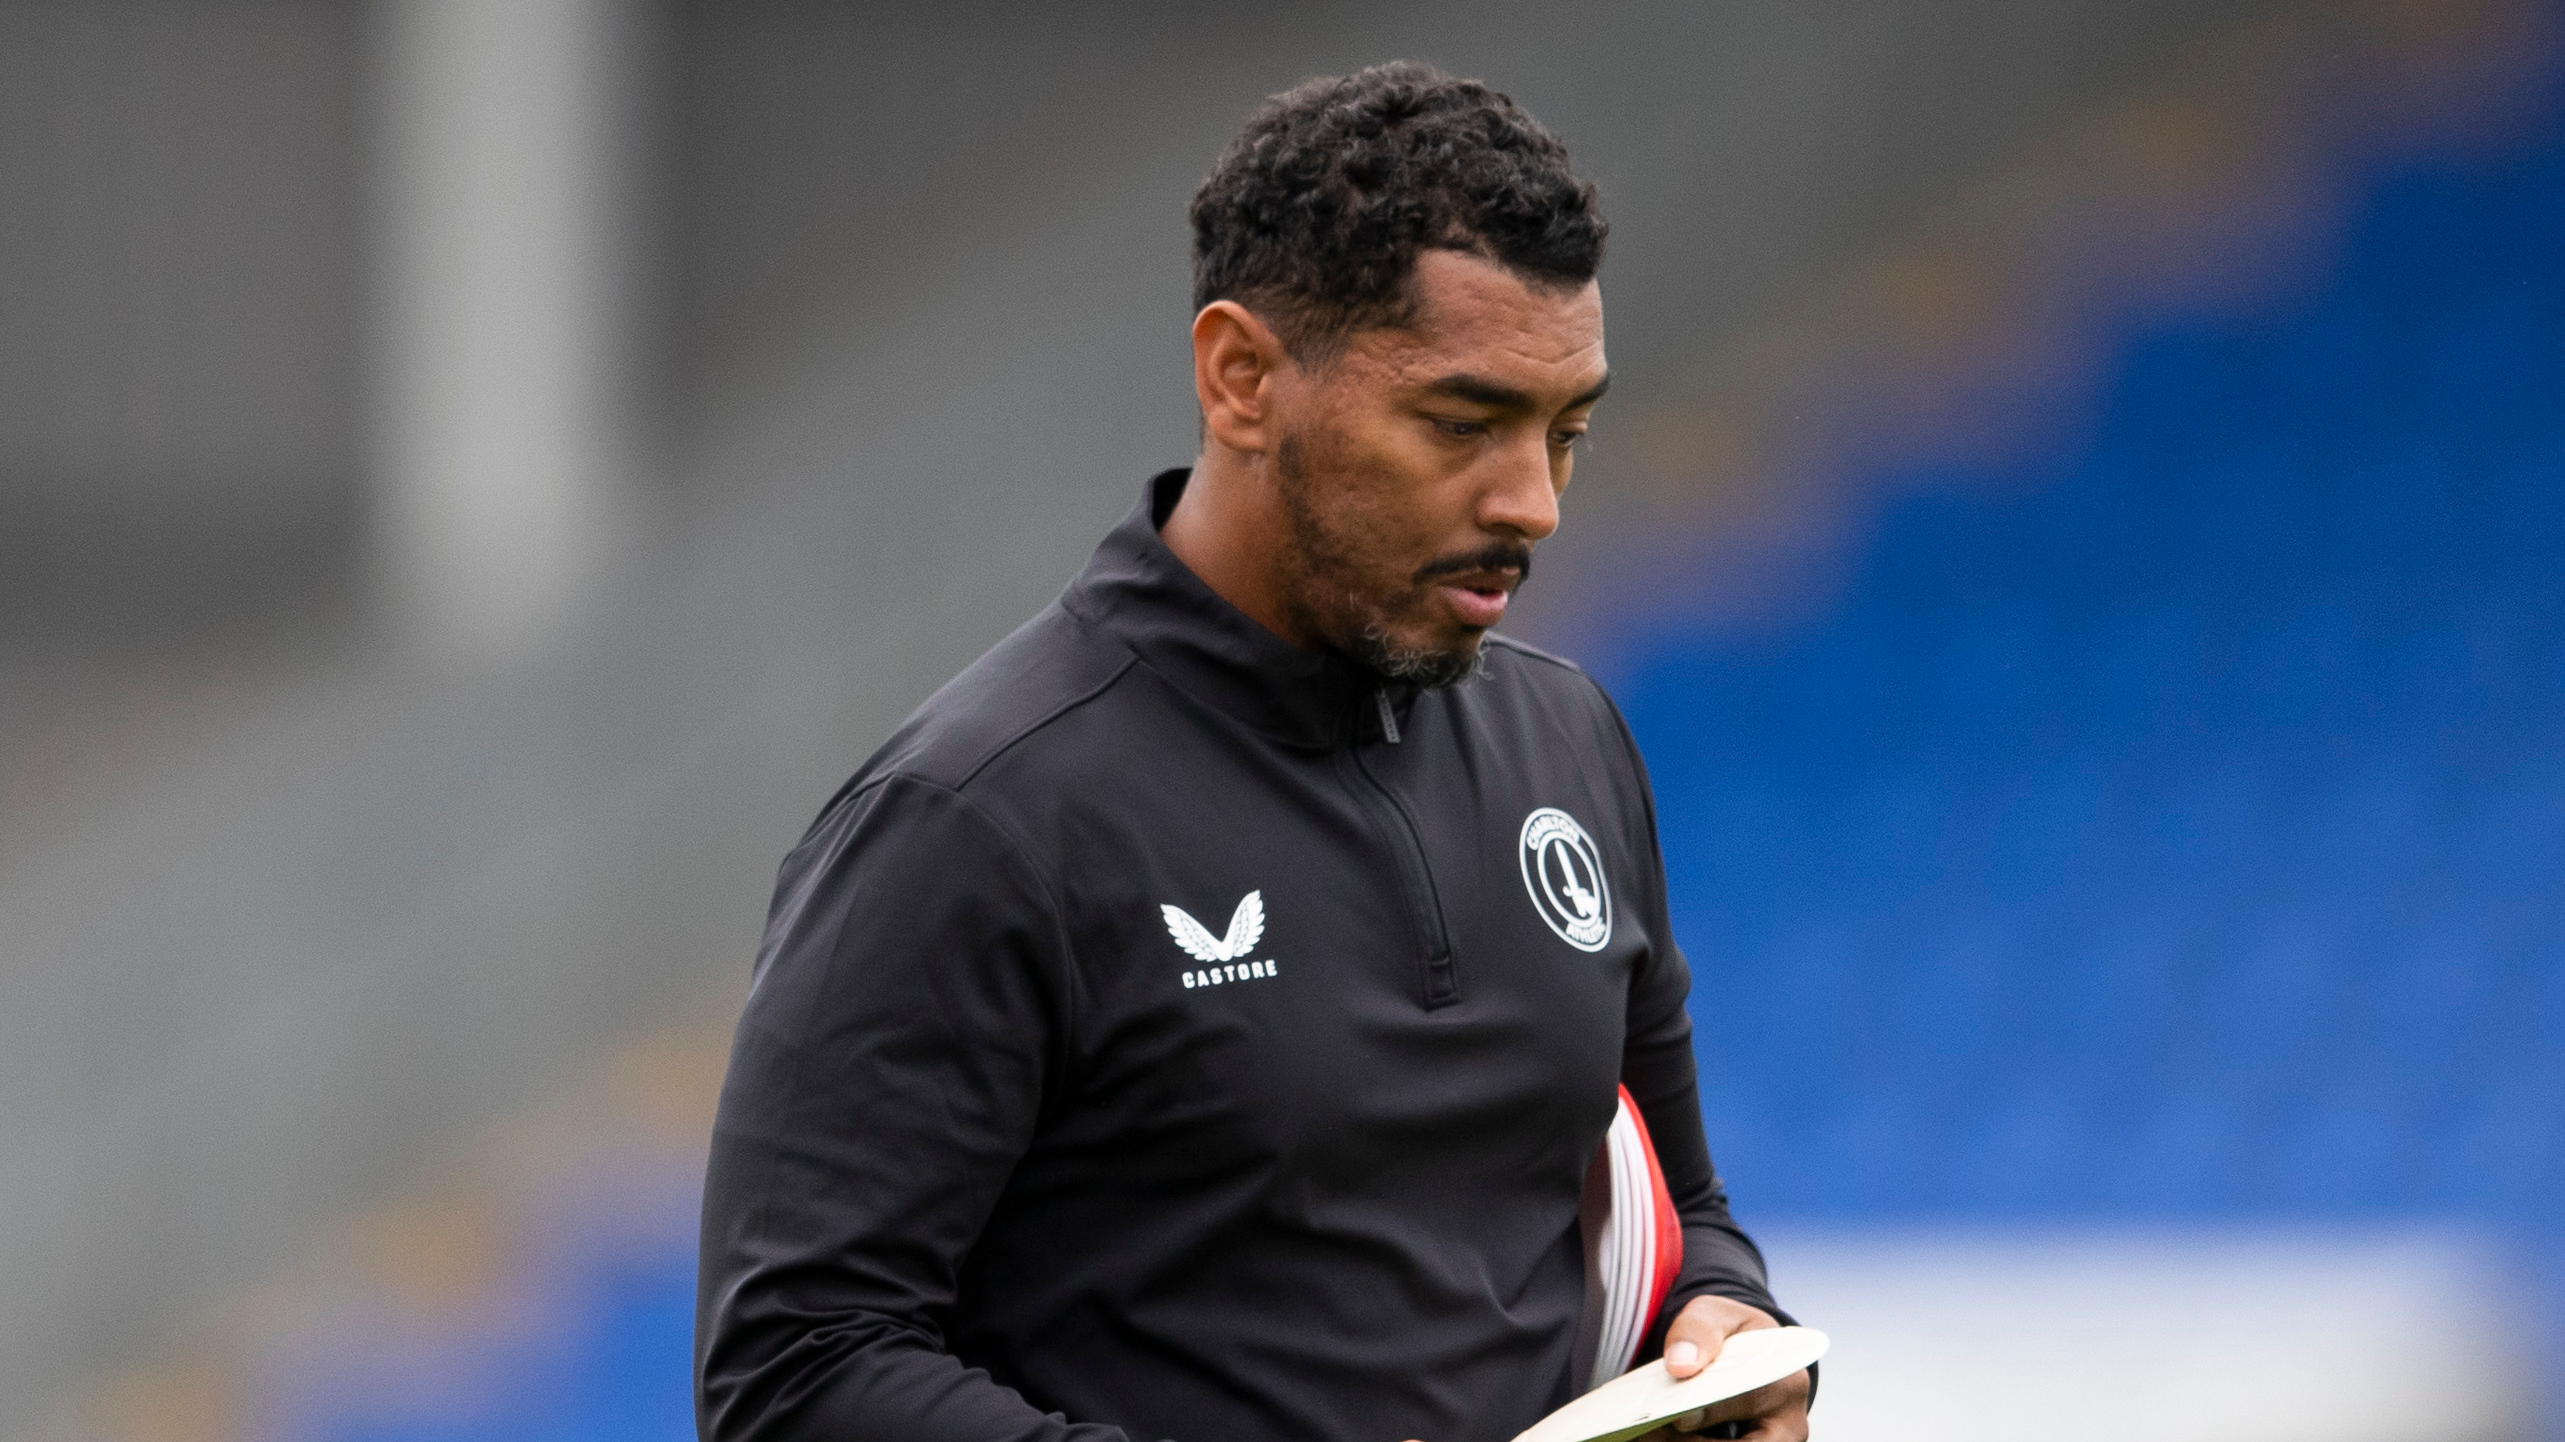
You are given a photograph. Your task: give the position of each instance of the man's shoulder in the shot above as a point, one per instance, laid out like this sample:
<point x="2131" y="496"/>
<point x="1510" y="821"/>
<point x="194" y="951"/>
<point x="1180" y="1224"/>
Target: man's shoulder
<point x="1531" y="675"/>
<point x="1540" y="667"/>
<point x="1547" y="700"/>
<point x="1049" y="667"/>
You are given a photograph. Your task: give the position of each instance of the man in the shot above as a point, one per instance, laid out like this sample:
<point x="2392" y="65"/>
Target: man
<point x="1196" y="1022"/>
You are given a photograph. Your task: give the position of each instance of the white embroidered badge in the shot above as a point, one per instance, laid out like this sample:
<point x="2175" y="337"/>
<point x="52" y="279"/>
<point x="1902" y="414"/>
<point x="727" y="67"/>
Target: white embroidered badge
<point x="1225" y="957"/>
<point x="1564" y="873"/>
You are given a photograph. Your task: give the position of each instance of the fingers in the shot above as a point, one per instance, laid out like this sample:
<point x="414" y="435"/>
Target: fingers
<point x="1776" y="1413"/>
<point x="1703" y="1327"/>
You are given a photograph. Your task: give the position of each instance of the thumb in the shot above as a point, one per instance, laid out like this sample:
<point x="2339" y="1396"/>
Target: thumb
<point x="1702" y="1328"/>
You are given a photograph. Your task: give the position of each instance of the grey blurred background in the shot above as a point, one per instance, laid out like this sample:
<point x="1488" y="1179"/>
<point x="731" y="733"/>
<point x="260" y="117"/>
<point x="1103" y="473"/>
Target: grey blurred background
<point x="474" y="475"/>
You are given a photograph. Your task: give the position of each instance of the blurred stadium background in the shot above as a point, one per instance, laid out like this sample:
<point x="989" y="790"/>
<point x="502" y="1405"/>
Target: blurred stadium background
<point x="2077" y="532"/>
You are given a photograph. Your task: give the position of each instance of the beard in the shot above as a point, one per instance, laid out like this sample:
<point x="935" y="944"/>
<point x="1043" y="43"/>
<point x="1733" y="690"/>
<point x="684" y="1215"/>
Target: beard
<point x="1420" y="665"/>
<point x="1349" y="594"/>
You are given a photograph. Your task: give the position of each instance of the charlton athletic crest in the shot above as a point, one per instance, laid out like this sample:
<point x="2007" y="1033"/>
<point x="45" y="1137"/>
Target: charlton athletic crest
<point x="1564" y="873"/>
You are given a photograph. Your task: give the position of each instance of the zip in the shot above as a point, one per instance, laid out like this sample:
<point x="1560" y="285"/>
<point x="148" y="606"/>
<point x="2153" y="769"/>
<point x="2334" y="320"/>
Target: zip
<point x="1440" y="980"/>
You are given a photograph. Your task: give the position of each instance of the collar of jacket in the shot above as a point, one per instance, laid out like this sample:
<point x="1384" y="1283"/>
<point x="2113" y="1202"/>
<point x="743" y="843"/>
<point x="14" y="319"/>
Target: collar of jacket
<point x="1137" y="590"/>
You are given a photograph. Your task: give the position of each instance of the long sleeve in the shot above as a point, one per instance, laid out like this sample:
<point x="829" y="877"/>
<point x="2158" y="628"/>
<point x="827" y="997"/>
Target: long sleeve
<point x="1719" y="1259"/>
<point x="909" y="1015"/>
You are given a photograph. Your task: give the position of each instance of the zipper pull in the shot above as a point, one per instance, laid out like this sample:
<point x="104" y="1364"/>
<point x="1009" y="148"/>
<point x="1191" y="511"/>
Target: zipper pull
<point x="1388" y="718"/>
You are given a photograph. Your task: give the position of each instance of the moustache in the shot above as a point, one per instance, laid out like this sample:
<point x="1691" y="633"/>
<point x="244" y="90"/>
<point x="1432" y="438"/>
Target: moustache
<point x="1515" y="556"/>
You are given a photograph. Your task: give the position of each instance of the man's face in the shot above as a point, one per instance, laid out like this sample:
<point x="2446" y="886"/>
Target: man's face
<point x="1419" y="467"/>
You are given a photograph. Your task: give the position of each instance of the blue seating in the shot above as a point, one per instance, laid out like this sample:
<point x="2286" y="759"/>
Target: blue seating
<point x="608" y="1361"/>
<point x="2172" y="829"/>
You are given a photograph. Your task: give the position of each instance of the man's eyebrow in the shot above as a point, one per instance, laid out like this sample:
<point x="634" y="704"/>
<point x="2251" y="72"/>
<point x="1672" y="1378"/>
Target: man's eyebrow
<point x="1495" y="395"/>
<point x="1479" y="391"/>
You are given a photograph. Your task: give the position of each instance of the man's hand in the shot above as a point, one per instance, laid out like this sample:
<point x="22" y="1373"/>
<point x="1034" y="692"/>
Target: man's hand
<point x="1777" y="1413"/>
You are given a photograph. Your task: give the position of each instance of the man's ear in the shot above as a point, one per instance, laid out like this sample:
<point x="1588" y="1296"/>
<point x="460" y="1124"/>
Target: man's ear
<point x="1236" y="361"/>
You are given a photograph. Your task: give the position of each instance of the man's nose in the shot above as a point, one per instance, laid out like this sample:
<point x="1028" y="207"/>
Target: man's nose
<point x="1521" y="497"/>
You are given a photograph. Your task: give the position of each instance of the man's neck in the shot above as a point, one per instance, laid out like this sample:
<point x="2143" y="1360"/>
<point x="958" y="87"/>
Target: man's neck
<point x="1224" y="529"/>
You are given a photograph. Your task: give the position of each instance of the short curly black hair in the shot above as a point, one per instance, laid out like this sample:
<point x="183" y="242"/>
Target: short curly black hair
<point x="1315" y="215"/>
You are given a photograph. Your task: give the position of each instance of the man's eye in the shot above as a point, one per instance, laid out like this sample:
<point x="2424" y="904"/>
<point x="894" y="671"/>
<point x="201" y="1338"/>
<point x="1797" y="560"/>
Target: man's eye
<point x="1460" y="430"/>
<point x="1565" y="439"/>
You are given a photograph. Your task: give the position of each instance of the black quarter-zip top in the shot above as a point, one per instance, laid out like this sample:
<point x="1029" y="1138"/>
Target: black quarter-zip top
<point x="1174" y="1035"/>
<point x="1437" y="983"/>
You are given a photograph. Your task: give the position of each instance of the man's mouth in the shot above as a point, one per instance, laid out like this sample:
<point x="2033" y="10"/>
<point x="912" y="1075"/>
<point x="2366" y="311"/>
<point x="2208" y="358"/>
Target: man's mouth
<point x="1477" y="586"/>
<point x="1478" y="598"/>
